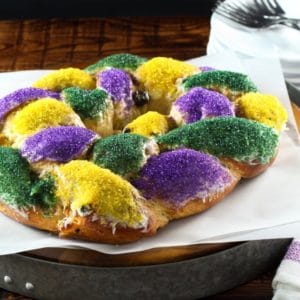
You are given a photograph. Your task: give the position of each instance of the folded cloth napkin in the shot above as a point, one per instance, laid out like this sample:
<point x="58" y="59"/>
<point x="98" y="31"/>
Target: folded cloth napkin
<point x="286" y="283"/>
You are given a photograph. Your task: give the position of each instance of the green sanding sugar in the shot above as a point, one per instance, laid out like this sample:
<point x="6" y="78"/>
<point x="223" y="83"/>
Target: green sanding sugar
<point x="43" y="191"/>
<point x="124" y="61"/>
<point x="122" y="153"/>
<point x="225" y="79"/>
<point x="237" y="138"/>
<point x="88" y="104"/>
<point x="20" y="187"/>
<point x="15" y="178"/>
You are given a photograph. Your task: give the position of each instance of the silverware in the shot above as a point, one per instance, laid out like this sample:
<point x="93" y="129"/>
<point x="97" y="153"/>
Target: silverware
<point x="255" y="13"/>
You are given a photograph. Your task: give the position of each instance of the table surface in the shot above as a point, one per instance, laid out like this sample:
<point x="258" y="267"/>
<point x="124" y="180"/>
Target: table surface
<point x="56" y="43"/>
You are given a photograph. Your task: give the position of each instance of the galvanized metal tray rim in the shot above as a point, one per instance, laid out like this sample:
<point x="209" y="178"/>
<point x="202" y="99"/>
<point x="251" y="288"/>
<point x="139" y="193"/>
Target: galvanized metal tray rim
<point x="239" y="246"/>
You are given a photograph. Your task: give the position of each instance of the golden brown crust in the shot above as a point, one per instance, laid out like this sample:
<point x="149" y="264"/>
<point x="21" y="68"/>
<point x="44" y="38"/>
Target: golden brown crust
<point x="87" y="229"/>
<point x="244" y="169"/>
<point x="196" y="205"/>
<point x="33" y="218"/>
<point x="83" y="227"/>
<point x="158" y="212"/>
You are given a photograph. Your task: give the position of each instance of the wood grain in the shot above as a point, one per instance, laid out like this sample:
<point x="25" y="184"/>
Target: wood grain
<point x="49" y="44"/>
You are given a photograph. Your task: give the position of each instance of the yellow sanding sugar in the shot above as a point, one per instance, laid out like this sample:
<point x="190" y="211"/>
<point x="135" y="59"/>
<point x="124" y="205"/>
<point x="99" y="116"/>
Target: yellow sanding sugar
<point x="43" y="113"/>
<point x="159" y="76"/>
<point x="149" y="124"/>
<point x="263" y="108"/>
<point x="64" y="78"/>
<point x="81" y="183"/>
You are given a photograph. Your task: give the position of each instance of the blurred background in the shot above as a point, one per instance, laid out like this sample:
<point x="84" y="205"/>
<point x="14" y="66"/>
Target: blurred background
<point x="100" y="8"/>
<point x="53" y="34"/>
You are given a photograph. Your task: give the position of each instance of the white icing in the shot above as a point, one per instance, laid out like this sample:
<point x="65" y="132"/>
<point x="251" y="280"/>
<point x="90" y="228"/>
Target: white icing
<point x="177" y="115"/>
<point x="150" y="148"/>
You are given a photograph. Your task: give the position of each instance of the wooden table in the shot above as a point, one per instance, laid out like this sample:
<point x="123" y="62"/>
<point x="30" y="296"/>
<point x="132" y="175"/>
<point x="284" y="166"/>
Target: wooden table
<point x="50" y="44"/>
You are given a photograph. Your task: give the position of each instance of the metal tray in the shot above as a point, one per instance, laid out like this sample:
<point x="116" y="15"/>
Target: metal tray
<point x="188" y="279"/>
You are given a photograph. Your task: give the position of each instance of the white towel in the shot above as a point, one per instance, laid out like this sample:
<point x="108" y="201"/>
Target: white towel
<point x="286" y="283"/>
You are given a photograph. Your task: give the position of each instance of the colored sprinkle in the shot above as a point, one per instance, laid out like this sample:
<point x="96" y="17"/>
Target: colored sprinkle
<point x="263" y="108"/>
<point x="159" y="77"/>
<point x="148" y="124"/>
<point x="236" y="138"/>
<point x="117" y="84"/>
<point x="182" y="175"/>
<point x="120" y="61"/>
<point x="207" y="69"/>
<point x="43" y="191"/>
<point x="64" y="78"/>
<point x="21" y="96"/>
<point x="124" y="154"/>
<point x="221" y="80"/>
<point x="15" y="178"/>
<point x="88" y="104"/>
<point x="199" y="103"/>
<point x="81" y="183"/>
<point x="59" y="144"/>
<point x="41" y="114"/>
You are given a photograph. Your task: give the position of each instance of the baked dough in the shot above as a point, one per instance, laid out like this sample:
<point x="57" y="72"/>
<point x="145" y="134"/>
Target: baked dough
<point x="116" y="151"/>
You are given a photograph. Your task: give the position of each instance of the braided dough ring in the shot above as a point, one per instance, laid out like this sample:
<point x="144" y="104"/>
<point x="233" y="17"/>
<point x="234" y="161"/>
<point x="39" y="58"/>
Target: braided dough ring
<point x="116" y="151"/>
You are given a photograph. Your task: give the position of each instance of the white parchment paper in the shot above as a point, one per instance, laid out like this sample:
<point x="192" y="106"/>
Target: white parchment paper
<point x="267" y="206"/>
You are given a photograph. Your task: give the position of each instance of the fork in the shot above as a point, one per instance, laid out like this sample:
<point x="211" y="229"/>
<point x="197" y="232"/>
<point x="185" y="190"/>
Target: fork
<point x="255" y="13"/>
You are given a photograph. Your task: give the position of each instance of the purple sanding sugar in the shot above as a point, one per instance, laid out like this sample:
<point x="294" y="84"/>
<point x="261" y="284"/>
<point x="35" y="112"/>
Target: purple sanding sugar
<point x="18" y="97"/>
<point x="200" y="103"/>
<point x="179" y="175"/>
<point x="207" y="69"/>
<point x="117" y="83"/>
<point x="59" y="144"/>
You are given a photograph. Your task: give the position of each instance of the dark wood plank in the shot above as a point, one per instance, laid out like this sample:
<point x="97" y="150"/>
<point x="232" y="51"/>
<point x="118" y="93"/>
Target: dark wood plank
<point x="5" y="295"/>
<point x="37" y="44"/>
<point x="258" y="289"/>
